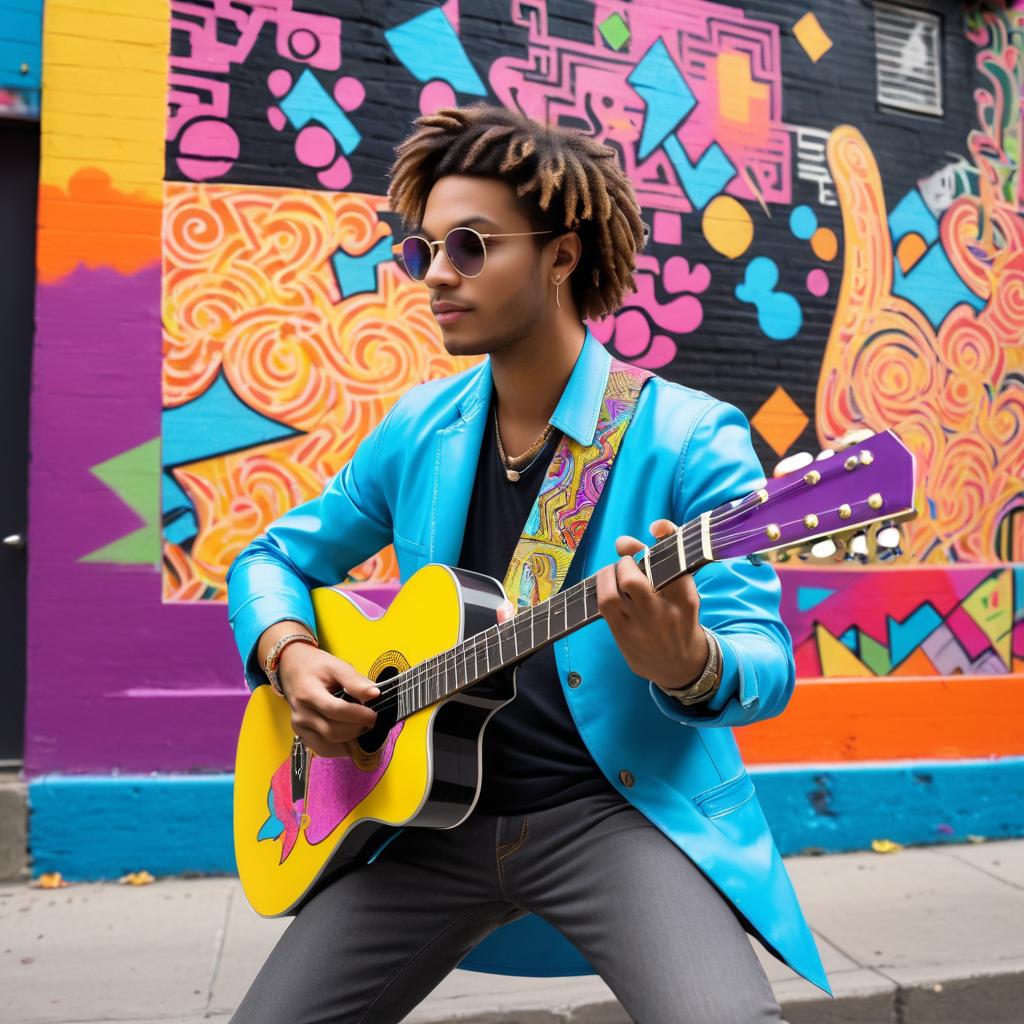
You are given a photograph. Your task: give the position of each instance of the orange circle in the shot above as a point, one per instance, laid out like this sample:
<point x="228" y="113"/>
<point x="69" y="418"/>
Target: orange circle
<point x="825" y="244"/>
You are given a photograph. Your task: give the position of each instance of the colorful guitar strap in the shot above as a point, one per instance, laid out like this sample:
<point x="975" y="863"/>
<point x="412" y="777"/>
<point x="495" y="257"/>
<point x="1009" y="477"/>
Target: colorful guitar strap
<point x="570" y="491"/>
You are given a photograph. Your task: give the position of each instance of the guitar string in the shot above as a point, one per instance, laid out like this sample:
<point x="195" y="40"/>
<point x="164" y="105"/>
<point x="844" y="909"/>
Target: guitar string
<point x="471" y="648"/>
<point x="413" y="679"/>
<point x="689" y="530"/>
<point x="415" y="676"/>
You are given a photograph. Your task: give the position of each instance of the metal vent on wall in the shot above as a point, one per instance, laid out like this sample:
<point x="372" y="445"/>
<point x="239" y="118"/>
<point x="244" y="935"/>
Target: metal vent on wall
<point x="908" y="58"/>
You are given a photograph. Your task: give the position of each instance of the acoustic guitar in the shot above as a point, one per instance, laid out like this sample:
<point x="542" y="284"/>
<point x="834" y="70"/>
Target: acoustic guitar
<point x="444" y="667"/>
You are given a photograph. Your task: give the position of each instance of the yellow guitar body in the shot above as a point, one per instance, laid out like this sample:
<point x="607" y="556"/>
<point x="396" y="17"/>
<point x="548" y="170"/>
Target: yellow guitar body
<point x="284" y="841"/>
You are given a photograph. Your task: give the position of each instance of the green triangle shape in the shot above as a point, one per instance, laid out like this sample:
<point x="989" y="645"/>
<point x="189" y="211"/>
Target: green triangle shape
<point x="134" y="476"/>
<point x="142" y="547"/>
<point x="874" y="654"/>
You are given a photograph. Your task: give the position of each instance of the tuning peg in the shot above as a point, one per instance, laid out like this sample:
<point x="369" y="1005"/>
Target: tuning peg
<point x="887" y="541"/>
<point x="852" y="437"/>
<point x="889" y="534"/>
<point x="858" y="547"/>
<point x="824" y="548"/>
<point x="791" y="463"/>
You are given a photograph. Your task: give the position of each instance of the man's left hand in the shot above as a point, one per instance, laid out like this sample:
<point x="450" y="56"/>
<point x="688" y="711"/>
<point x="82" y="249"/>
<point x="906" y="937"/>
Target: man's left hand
<point x="659" y="631"/>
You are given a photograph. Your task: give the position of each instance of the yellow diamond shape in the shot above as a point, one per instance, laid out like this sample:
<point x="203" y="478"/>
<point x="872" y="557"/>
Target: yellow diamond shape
<point x="812" y="37"/>
<point x="780" y="421"/>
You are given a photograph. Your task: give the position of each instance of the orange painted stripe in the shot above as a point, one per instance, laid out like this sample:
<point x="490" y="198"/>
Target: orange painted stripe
<point x="95" y="224"/>
<point x="890" y="718"/>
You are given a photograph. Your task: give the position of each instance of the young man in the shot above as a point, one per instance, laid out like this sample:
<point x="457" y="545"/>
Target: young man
<point x="616" y="831"/>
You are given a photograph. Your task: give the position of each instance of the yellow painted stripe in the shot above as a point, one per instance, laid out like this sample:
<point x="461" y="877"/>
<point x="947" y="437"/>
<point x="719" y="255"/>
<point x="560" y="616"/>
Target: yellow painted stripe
<point x="94" y="53"/>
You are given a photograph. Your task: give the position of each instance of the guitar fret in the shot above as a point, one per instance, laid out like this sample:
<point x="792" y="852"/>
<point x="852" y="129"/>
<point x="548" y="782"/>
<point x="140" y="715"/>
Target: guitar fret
<point x="478" y="656"/>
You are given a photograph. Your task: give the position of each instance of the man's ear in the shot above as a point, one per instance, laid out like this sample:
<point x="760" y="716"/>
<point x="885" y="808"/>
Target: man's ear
<point x="567" y="249"/>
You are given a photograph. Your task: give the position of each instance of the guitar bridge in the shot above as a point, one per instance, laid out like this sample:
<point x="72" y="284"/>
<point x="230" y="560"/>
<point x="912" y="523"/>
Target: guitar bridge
<point x="300" y="770"/>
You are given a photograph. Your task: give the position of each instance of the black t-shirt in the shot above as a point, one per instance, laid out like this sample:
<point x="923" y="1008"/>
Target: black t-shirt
<point x="533" y="756"/>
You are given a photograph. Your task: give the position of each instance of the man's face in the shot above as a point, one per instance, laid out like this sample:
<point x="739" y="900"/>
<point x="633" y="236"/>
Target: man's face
<point x="507" y="300"/>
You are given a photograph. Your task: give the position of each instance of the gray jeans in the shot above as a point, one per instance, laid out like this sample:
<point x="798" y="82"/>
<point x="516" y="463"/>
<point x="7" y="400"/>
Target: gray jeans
<point x="371" y="945"/>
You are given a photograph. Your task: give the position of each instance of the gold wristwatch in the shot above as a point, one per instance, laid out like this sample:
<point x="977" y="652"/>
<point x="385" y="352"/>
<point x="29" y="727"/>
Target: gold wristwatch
<point x="702" y="687"/>
<point x="274" y="656"/>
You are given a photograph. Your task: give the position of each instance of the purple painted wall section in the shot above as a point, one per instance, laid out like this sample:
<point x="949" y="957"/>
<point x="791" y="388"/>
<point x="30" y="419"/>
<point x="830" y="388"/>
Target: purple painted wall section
<point x="117" y="680"/>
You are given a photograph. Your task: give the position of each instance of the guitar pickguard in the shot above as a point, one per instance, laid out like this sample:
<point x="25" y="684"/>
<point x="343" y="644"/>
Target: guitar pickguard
<point x="336" y="786"/>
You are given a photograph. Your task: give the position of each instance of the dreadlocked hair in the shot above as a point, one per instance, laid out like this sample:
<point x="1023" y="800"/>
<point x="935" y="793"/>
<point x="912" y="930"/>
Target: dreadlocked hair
<point x="566" y="181"/>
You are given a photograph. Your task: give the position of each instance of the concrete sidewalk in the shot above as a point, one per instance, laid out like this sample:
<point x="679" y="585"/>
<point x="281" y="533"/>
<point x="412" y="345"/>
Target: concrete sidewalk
<point x="929" y="934"/>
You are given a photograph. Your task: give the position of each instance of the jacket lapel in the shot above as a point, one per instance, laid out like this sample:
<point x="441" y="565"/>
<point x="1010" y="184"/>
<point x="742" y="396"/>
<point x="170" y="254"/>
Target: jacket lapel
<point x="456" y="454"/>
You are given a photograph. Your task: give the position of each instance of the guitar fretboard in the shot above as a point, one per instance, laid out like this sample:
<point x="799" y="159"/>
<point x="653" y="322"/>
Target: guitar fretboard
<point x="504" y="645"/>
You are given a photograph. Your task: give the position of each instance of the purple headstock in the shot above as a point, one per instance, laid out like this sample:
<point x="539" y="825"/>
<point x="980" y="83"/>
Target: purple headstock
<point x="869" y="481"/>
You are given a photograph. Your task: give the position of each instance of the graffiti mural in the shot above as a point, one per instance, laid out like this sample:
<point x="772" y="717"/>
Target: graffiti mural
<point x="934" y="622"/>
<point x="927" y="331"/>
<point x="287" y="324"/>
<point x="221" y="323"/>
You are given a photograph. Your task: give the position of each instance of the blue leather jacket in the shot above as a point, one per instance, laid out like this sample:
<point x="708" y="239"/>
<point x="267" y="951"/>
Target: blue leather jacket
<point x="409" y="483"/>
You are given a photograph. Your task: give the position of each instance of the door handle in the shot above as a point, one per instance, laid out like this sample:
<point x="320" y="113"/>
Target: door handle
<point x="14" y="540"/>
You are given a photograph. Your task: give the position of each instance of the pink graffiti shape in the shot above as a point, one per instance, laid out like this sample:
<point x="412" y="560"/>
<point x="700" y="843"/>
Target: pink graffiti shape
<point x="336" y="786"/>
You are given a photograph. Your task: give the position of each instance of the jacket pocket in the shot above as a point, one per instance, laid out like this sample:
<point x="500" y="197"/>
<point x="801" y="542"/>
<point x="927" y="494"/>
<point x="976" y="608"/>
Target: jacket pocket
<point x="726" y="796"/>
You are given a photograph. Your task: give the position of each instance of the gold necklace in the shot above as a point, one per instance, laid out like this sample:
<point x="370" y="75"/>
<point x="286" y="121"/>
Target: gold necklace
<point x="510" y="461"/>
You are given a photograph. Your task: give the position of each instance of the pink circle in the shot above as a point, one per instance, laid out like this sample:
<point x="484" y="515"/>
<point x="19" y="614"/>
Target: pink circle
<point x="303" y="43"/>
<point x="338" y="176"/>
<point x="350" y="93"/>
<point x="435" y="95"/>
<point x="275" y="115"/>
<point x="314" y="146"/>
<point x="632" y="332"/>
<point x="817" y="282"/>
<point x="280" y="81"/>
<point x="207" y="149"/>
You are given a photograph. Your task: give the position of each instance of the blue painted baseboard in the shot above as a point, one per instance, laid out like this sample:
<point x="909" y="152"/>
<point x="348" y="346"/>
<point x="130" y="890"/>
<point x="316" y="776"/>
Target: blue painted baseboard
<point x="98" y="827"/>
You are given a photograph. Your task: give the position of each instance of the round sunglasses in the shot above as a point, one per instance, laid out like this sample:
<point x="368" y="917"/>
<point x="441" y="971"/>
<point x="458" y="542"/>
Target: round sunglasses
<point x="465" y="248"/>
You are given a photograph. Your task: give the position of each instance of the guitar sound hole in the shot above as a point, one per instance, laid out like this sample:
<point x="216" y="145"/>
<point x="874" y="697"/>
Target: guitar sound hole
<point x="386" y="707"/>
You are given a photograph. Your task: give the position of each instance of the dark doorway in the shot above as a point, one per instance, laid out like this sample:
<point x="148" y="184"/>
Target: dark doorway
<point x="19" y="184"/>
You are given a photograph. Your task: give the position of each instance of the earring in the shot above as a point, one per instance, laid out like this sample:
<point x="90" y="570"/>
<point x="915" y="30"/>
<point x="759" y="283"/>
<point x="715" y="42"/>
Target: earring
<point x="558" y="284"/>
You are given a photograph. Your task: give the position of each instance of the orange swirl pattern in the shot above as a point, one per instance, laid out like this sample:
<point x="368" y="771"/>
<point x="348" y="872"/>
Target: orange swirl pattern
<point x="954" y="395"/>
<point x="248" y="287"/>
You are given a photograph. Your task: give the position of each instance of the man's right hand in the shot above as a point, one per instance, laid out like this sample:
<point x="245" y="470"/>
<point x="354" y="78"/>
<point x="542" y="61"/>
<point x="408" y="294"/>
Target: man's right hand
<point x="325" y="723"/>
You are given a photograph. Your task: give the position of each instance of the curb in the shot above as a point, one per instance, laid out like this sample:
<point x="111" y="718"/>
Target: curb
<point x="994" y="998"/>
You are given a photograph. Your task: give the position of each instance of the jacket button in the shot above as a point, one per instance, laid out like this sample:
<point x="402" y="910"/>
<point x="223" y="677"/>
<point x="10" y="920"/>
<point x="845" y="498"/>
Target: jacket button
<point x="574" y="679"/>
<point x="626" y="778"/>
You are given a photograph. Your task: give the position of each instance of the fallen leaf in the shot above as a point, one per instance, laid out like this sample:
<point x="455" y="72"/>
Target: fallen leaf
<point x="885" y="846"/>
<point x="136" y="878"/>
<point x="51" y="880"/>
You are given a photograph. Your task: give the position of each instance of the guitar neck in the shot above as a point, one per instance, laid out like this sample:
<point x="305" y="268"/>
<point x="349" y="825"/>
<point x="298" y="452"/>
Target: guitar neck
<point x="872" y="483"/>
<point x="506" y="644"/>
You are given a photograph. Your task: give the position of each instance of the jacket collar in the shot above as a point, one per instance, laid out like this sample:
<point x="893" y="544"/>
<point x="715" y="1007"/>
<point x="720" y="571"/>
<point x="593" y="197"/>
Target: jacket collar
<point x="580" y="405"/>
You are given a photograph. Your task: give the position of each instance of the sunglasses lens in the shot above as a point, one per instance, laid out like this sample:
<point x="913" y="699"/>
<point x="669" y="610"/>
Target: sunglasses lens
<point x="416" y="258"/>
<point x="465" y="249"/>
